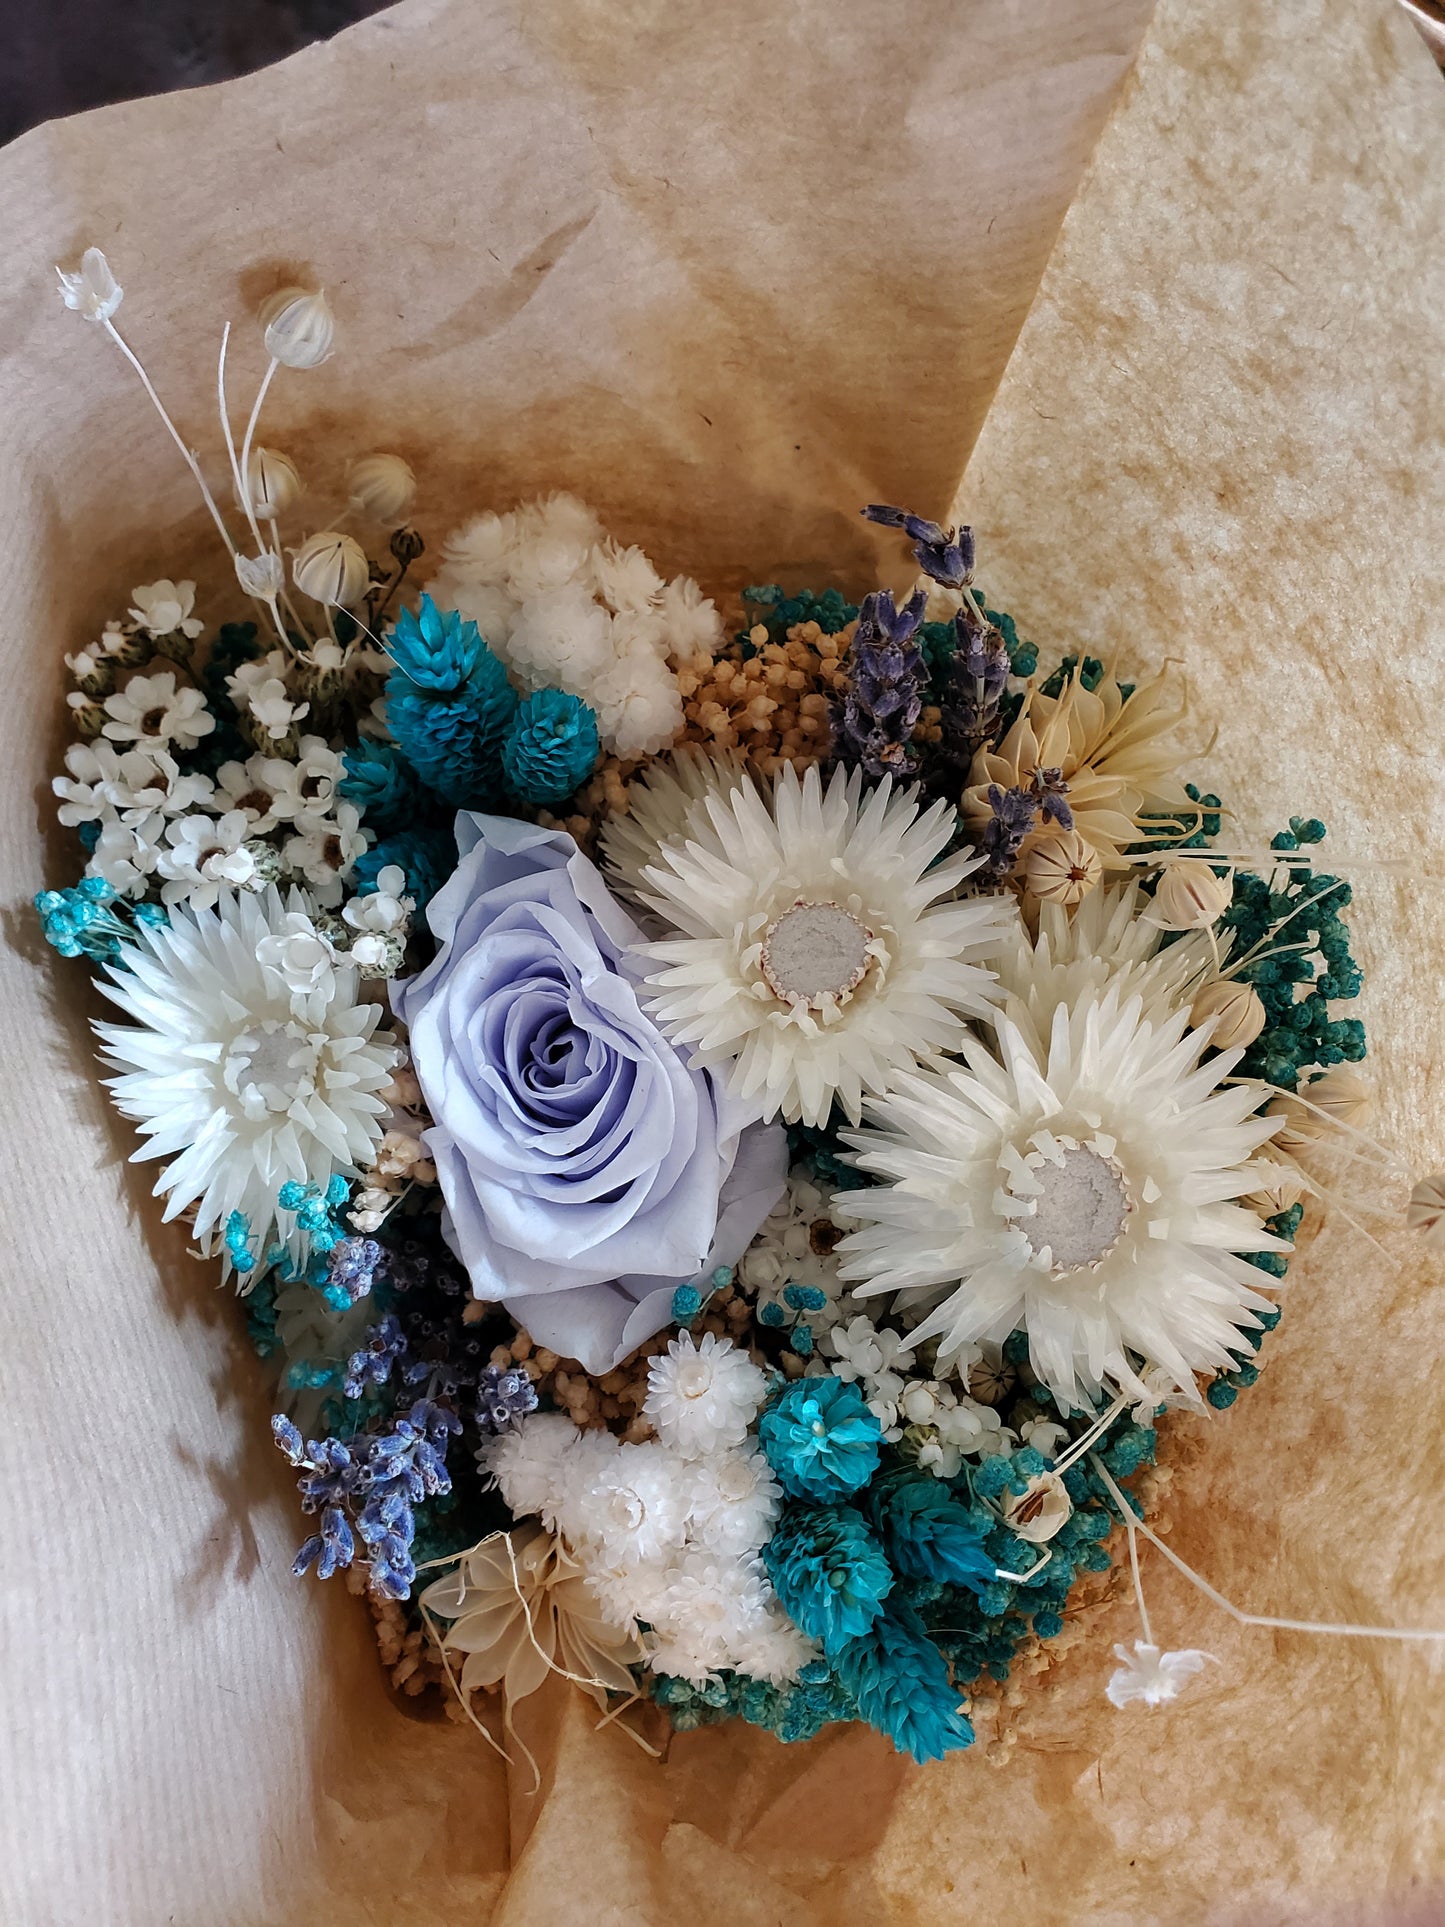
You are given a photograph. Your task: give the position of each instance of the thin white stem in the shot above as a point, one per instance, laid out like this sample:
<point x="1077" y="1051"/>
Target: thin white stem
<point x="1023" y="1578"/>
<point x="1101" y="1424"/>
<point x="1344" y="1628"/>
<point x="246" y="441"/>
<point x="1382" y="1157"/>
<point x="187" y="455"/>
<point x="239" y="481"/>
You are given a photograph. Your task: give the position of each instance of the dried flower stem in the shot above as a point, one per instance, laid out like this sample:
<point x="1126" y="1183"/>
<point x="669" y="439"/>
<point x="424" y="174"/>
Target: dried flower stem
<point x="187" y="455"/>
<point x="239" y="470"/>
<point x="1345" y="1629"/>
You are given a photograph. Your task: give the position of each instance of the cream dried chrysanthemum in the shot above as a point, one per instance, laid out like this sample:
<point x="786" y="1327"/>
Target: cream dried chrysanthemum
<point x="821" y="952"/>
<point x="1080" y="1183"/>
<point x="1105" y="942"/>
<point x="520" y="1609"/>
<point x="1114" y="753"/>
<point x="667" y="799"/>
<point x="241" y="1081"/>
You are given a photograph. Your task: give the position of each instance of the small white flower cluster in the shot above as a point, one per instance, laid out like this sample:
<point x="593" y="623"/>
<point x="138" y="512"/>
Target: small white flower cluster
<point x="567" y="608"/>
<point x="795" y="1247"/>
<point x="669" y="1532"/>
<point x="944" y="1423"/>
<point x="198" y="837"/>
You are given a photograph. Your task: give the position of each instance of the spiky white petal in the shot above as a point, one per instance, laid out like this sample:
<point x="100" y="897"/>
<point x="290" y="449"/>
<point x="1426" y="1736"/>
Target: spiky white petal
<point x="1110" y="1133"/>
<point x="666" y="799"/>
<point x="242" y="1081"/>
<point x="867" y="860"/>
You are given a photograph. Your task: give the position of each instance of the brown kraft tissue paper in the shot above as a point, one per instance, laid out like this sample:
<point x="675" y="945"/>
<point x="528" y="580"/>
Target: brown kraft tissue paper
<point x="729" y="273"/>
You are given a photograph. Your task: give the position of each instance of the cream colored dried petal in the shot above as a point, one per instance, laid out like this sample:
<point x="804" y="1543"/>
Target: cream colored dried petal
<point x="521" y="1609"/>
<point x="1341" y="1098"/>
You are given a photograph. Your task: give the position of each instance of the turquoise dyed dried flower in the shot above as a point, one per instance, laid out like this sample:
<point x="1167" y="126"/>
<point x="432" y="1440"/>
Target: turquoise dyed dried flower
<point x="829" y="1572"/>
<point x="551" y="748"/>
<point x="821" y="1439"/>
<point x="449" y="704"/>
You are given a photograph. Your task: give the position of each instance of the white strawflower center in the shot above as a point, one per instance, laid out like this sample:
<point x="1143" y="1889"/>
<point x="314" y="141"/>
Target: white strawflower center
<point x="1079" y="1207"/>
<point x="815" y="951"/>
<point x="270" y="1066"/>
<point x="693" y="1378"/>
<point x="625" y="1509"/>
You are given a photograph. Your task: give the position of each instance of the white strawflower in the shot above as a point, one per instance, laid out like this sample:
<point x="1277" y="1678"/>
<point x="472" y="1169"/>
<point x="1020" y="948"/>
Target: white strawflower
<point x="626" y="580"/>
<point x="772" y="1648"/>
<point x="701" y="1398"/>
<point x="204" y="855"/>
<point x="241" y="1083"/>
<point x="546" y="1466"/>
<point x="1152" y="1676"/>
<point x="690" y="621"/>
<point x="636" y="1505"/>
<point x="821" y="955"/>
<point x="1105" y="942"/>
<point x="152" y="711"/>
<point x="733" y="1501"/>
<point x="161" y="608"/>
<point x="708" y="1608"/>
<point x="1081" y="1186"/>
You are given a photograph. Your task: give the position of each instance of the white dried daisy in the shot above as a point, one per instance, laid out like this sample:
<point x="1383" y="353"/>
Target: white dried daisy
<point x="240" y="1082"/>
<point x="1081" y="1186"/>
<point x="701" y="1398"/>
<point x="822" y="952"/>
<point x="204" y="855"/>
<point x="636" y="1509"/>
<point x="126" y="855"/>
<point x="151" y="710"/>
<point x="164" y="608"/>
<point x="1152" y="1676"/>
<point x="324" y="850"/>
<point x="106" y="784"/>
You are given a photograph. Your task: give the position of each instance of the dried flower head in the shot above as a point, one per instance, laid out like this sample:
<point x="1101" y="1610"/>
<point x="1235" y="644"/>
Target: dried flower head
<point x="1341" y="1098"/>
<point x="272" y="482"/>
<point x="1190" y="896"/>
<point x="382" y="486"/>
<point x="1062" y="869"/>
<point x="1234" y="1009"/>
<point x="299" y="327"/>
<point x="93" y="290"/>
<point x="262" y="576"/>
<point x="1041" y="1510"/>
<point x="331" y="568"/>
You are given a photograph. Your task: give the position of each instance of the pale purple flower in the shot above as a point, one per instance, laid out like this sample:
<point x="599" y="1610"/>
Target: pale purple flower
<point x="587" y="1168"/>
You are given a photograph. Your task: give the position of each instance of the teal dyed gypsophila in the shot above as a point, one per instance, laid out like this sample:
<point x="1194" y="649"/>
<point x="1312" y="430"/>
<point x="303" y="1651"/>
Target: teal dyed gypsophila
<point x="900" y="1682"/>
<point x="829" y="1572"/>
<point x="382" y="785"/>
<point x="90" y="920"/>
<point x="449" y="704"/>
<point x="551" y="747"/>
<point x="820" y="1439"/>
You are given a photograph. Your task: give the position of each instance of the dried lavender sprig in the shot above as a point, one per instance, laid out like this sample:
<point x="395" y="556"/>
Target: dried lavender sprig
<point x="873" y="724"/>
<point x="947" y="555"/>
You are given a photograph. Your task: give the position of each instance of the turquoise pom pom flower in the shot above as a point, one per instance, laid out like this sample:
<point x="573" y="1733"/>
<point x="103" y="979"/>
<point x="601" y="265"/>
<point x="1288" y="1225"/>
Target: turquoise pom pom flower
<point x="821" y="1439"/>
<point x="928" y="1534"/>
<point x="449" y="704"/>
<point x="381" y="783"/>
<point x="829" y="1572"/>
<point x="551" y="748"/>
<point x="901" y="1684"/>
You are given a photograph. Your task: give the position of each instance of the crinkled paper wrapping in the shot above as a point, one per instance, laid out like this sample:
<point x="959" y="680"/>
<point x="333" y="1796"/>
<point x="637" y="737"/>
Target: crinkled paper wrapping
<point x="730" y="272"/>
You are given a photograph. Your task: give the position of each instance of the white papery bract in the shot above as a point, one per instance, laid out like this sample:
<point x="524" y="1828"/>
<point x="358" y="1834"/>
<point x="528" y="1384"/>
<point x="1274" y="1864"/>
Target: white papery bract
<point x="821" y="954"/>
<point x="1153" y="1676"/>
<point x="667" y="799"/>
<point x="1104" y="944"/>
<point x="240" y="1081"/>
<point x="702" y="1398"/>
<point x="1080" y="1185"/>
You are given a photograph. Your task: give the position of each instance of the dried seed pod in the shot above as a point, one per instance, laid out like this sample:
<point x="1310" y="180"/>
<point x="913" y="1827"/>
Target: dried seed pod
<point x="382" y="486"/>
<point x="272" y="482"/>
<point x="1062" y="869"/>
<point x="1190" y="897"/>
<point x="299" y="327"/>
<point x="1234" y="1009"/>
<point x="331" y="568"/>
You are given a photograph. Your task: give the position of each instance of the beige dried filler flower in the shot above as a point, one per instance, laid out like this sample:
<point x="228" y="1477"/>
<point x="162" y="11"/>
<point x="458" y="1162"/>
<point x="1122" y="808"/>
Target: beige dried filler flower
<point x="519" y="1609"/>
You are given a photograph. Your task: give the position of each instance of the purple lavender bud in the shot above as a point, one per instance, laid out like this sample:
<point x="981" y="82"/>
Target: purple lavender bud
<point x="947" y="555"/>
<point x="873" y="725"/>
